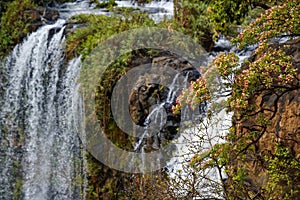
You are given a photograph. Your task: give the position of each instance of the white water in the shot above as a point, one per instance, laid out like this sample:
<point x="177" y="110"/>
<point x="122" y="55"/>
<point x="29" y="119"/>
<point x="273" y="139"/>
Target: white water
<point x="157" y="10"/>
<point x="70" y="9"/>
<point x="38" y="103"/>
<point x="156" y="119"/>
<point x="200" y="138"/>
<point x="40" y="153"/>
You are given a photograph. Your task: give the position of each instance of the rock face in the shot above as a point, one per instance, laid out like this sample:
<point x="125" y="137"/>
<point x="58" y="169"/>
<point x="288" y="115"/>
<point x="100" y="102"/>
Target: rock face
<point x="282" y="110"/>
<point x="146" y="94"/>
<point x="142" y="95"/>
<point x="40" y="16"/>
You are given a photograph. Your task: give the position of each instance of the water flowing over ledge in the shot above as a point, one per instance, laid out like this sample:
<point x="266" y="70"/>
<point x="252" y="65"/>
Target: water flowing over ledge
<point x="40" y="149"/>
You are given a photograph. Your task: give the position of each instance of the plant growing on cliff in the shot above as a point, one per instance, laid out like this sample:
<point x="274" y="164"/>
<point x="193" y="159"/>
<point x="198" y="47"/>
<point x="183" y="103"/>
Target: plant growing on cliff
<point x="14" y="24"/>
<point x="271" y="68"/>
<point x="98" y="28"/>
<point x="284" y="172"/>
<point x="270" y="71"/>
<point x="105" y="182"/>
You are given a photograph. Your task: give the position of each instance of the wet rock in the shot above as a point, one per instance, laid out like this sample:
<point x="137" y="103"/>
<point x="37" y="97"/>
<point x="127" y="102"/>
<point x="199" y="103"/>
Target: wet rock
<point x="147" y="94"/>
<point x="40" y="16"/>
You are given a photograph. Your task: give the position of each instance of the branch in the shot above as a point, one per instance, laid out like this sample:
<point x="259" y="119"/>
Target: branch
<point x="262" y="5"/>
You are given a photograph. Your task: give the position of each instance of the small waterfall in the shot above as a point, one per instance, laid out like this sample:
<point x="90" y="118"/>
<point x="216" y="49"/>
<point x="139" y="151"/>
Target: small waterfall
<point x="157" y="118"/>
<point x="41" y="156"/>
<point x="200" y="137"/>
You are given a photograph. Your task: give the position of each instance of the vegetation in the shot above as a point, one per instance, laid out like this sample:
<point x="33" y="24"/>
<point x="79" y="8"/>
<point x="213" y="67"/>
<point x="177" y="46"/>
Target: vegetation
<point x="16" y="21"/>
<point x="191" y="18"/>
<point x="205" y="20"/>
<point x="227" y="15"/>
<point x="269" y="71"/>
<point x="106" y="4"/>
<point x="105" y="182"/>
<point x="99" y="28"/>
<point x="284" y="172"/>
<point x="14" y="25"/>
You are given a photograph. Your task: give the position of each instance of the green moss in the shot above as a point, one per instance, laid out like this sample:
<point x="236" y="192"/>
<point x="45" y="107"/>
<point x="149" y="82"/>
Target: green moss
<point x="17" y="189"/>
<point x="98" y="28"/>
<point x="14" y="25"/>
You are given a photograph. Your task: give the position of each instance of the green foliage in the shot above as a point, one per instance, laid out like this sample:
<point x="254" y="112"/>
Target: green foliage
<point x="191" y="18"/>
<point x="225" y="14"/>
<point x="284" y="173"/>
<point x="98" y="28"/>
<point x="279" y="20"/>
<point x="106" y="4"/>
<point x="103" y="96"/>
<point x="204" y="20"/>
<point x="240" y="176"/>
<point x="196" y="94"/>
<point x="269" y="70"/>
<point x="14" y="25"/>
<point x="105" y="182"/>
<point x="272" y="69"/>
<point x="3" y="6"/>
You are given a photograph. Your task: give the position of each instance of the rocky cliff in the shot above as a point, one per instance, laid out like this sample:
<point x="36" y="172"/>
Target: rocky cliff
<point x="111" y="184"/>
<point x="273" y="132"/>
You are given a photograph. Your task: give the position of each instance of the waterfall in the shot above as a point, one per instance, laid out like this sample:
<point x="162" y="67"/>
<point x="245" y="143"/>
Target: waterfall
<point x="199" y="138"/>
<point x="40" y="151"/>
<point x="41" y="155"/>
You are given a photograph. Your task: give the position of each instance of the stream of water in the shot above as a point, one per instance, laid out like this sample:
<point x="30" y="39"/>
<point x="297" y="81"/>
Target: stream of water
<point x="40" y="151"/>
<point x="41" y="157"/>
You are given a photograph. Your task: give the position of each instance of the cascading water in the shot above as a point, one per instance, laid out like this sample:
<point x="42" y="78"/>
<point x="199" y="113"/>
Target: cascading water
<point x="40" y="151"/>
<point x="200" y="137"/>
<point x="156" y="119"/>
<point x="157" y="9"/>
<point x="41" y="156"/>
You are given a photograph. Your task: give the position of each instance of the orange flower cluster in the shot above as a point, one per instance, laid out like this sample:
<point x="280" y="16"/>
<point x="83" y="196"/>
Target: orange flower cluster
<point x="279" y="20"/>
<point x="193" y="96"/>
<point x="272" y="69"/>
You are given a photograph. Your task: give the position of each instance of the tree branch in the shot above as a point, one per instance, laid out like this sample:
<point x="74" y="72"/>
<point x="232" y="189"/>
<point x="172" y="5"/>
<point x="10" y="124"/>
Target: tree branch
<point x="262" y="5"/>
